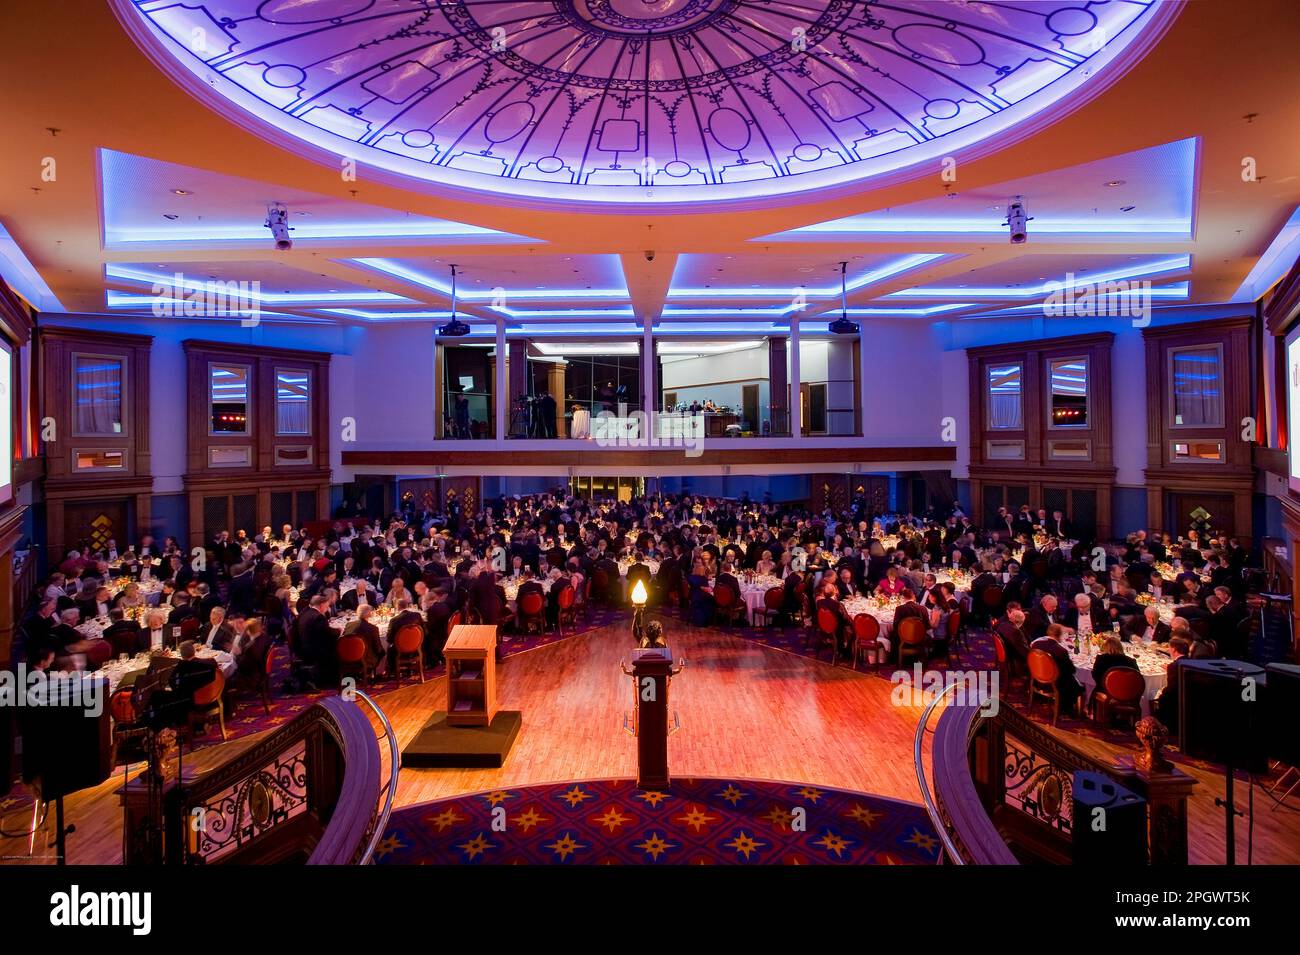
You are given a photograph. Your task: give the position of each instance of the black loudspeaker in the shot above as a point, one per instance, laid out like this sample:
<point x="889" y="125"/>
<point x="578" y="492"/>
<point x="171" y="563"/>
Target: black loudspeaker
<point x="1221" y="712"/>
<point x="1110" y="822"/>
<point x="1281" y="709"/>
<point x="67" y="746"/>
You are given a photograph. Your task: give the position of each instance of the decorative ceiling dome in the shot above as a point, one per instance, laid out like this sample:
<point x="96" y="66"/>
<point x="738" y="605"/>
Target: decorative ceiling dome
<point x="644" y="100"/>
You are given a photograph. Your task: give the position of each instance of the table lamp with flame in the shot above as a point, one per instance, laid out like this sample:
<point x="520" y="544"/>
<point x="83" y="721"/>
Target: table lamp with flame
<point x="639" y="597"/>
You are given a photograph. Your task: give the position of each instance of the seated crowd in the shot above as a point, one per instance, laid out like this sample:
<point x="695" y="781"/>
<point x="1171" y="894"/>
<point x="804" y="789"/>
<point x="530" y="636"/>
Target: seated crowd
<point x="533" y="563"/>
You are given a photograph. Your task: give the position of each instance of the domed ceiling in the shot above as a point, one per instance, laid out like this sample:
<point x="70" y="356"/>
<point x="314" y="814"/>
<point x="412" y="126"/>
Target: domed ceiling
<point x="643" y="100"/>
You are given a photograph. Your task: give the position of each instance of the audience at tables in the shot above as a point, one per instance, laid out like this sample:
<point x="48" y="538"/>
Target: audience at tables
<point x="306" y="590"/>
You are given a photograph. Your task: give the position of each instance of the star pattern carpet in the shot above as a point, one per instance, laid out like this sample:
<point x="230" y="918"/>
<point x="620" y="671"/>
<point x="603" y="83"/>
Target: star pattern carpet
<point x="691" y="822"/>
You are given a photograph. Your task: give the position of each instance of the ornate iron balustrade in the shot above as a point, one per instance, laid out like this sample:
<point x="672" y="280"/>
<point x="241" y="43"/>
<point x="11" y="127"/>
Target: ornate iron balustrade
<point x="307" y="792"/>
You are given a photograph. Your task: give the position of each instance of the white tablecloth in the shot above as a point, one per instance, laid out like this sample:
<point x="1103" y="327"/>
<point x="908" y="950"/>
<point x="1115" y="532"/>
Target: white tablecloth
<point x="117" y="669"/>
<point x="1151" y="663"/>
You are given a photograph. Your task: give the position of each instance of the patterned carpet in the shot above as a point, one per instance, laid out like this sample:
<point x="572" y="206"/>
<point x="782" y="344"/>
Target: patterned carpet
<point x="693" y="822"/>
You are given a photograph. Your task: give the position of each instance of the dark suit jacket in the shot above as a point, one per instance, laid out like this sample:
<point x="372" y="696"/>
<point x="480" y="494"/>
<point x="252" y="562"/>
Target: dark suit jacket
<point x="1136" y="628"/>
<point x="368" y="632"/>
<point x="224" y="639"/>
<point x="1036" y="622"/>
<point x="241" y="594"/>
<point x="1100" y="618"/>
<point x="1066" y="682"/>
<point x="1014" y="639"/>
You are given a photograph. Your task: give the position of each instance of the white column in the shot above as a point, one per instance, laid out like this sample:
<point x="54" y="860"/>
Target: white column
<point x="649" y="387"/>
<point x="863" y="366"/>
<point x="502" y="397"/>
<point x="796" y="398"/>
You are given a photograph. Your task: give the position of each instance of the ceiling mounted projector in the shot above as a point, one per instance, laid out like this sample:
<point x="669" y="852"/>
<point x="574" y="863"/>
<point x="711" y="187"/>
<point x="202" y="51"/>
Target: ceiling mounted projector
<point x="454" y="328"/>
<point x="842" y="325"/>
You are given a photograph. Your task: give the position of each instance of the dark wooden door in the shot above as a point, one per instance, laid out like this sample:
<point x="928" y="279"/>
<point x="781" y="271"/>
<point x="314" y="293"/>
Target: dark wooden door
<point x="95" y="523"/>
<point x="749" y="407"/>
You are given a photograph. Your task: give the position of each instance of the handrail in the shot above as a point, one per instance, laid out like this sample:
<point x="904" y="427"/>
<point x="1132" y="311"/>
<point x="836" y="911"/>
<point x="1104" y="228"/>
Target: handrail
<point x="930" y="808"/>
<point x="347" y="826"/>
<point x="390" y="787"/>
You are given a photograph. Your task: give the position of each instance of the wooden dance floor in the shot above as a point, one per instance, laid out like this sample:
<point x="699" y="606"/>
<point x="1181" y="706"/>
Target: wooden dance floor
<point x="745" y="711"/>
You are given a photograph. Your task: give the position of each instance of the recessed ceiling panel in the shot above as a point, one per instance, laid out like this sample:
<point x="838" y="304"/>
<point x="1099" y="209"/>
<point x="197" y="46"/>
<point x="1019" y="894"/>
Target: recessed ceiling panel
<point x="643" y="100"/>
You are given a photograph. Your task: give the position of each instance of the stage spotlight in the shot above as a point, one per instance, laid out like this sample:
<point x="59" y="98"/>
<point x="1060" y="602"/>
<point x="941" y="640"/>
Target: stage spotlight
<point x="1017" y="220"/>
<point x="277" y="220"/>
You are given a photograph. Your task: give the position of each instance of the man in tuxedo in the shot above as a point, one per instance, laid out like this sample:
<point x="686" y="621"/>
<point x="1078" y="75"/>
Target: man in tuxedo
<point x="217" y="635"/>
<point x="405" y="617"/>
<point x="181" y="610"/>
<point x="376" y="655"/>
<point x="1041" y="617"/>
<point x="437" y="613"/>
<point x="1147" y="627"/>
<point x="360" y="594"/>
<point x="1084" y="618"/>
<point x="1165" y="706"/>
<point x="314" y="640"/>
<point x="1059" y="526"/>
<point x="64" y="633"/>
<point x="1067" y="685"/>
<point x="97" y="604"/>
<point x="1012" y="631"/>
<point x="242" y="590"/>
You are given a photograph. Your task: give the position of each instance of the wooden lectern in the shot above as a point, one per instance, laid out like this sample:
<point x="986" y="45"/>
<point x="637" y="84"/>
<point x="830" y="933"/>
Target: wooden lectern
<point x="471" y="675"/>
<point x="651" y="673"/>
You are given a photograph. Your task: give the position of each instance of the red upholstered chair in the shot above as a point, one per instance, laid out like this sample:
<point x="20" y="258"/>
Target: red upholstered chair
<point x="268" y="667"/>
<point x="1043" y="674"/>
<point x="954" y="633"/>
<point x="911" y="639"/>
<point x="190" y="628"/>
<point x="566" y="602"/>
<point x="1120" y="695"/>
<point x="824" y="632"/>
<point x="532" y="613"/>
<point x="773" y="598"/>
<point x="352" y="657"/>
<point x="410" y="654"/>
<point x="866" y="639"/>
<point x="728" y="605"/>
<point x="991" y="601"/>
<point x="208" y="703"/>
<point x="126" y="726"/>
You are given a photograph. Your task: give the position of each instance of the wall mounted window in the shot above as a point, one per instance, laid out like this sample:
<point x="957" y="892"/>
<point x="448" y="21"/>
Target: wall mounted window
<point x="292" y="401"/>
<point x="97" y="386"/>
<point x="1069" y="450"/>
<point x="1196" y="384"/>
<point x="1197" y="451"/>
<point x="226" y="457"/>
<point x="1068" y="393"/>
<point x="98" y="459"/>
<point x="1005" y="399"/>
<point x="1004" y="450"/>
<point x="228" y="398"/>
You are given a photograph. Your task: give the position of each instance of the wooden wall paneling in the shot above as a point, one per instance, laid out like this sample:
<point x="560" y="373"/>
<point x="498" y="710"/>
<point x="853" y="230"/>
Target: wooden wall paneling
<point x="1037" y="469"/>
<point x="134" y="481"/>
<point x="263" y="476"/>
<point x="1234" y="476"/>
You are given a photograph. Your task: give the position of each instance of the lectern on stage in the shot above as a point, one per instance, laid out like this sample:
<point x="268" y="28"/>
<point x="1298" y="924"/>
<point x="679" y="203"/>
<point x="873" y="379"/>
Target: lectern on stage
<point x="652" y="671"/>
<point x="471" y="732"/>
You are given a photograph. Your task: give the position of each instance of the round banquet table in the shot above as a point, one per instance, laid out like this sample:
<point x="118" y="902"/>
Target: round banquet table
<point x="119" y="670"/>
<point x="1150" y="662"/>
